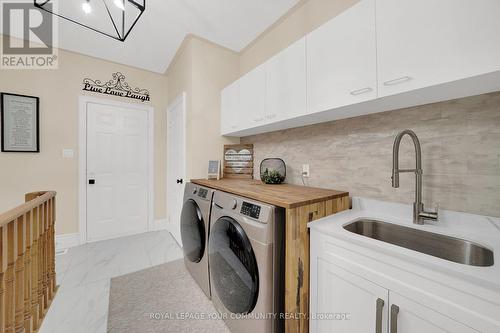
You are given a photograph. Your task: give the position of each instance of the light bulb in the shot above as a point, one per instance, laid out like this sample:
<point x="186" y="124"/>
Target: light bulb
<point x="119" y="4"/>
<point x="86" y="7"/>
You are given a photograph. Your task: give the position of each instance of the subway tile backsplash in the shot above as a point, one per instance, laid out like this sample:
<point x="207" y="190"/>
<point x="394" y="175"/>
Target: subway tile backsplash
<point x="460" y="150"/>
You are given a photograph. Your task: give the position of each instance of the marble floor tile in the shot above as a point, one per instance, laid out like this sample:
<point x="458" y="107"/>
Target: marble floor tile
<point x="84" y="273"/>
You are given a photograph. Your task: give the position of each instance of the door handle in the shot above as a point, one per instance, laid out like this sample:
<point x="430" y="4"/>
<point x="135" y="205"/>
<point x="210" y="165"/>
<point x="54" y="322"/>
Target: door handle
<point x="179" y="181"/>
<point x="91" y="181"/>
<point x="394" y="318"/>
<point x="378" y="322"/>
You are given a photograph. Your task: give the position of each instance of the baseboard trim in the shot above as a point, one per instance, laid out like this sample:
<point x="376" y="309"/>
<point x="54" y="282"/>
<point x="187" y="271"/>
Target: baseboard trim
<point x="66" y="241"/>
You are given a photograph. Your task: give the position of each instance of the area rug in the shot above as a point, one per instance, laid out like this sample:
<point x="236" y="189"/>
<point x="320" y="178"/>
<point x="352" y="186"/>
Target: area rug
<point x="161" y="299"/>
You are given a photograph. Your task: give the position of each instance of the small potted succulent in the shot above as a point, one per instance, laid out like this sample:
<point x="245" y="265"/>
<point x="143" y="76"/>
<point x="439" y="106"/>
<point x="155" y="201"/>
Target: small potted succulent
<point x="273" y="171"/>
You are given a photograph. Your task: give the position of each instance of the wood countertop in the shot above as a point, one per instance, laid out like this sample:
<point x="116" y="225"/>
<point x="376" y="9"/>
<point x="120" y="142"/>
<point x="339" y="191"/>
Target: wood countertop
<point x="282" y="195"/>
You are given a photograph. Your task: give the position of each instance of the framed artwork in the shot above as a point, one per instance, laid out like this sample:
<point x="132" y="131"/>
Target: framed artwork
<point x="214" y="170"/>
<point x="20" y="123"/>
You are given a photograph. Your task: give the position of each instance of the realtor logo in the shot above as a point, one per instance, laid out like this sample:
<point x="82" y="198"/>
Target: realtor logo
<point x="29" y="36"/>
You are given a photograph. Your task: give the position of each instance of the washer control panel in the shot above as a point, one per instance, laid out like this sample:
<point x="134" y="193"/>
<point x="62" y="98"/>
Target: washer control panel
<point x="202" y="193"/>
<point x="250" y="209"/>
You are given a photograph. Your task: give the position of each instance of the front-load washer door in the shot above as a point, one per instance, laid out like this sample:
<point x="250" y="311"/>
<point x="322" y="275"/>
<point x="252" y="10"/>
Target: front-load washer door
<point x="192" y="231"/>
<point x="233" y="268"/>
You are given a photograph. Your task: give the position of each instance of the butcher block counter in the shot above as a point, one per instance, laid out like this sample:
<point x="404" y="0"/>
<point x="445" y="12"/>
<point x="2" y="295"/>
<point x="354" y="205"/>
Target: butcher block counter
<point x="302" y="205"/>
<point x="282" y="195"/>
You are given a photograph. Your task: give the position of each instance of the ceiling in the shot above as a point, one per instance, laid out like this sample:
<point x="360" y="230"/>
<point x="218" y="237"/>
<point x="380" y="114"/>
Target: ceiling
<point x="160" y="31"/>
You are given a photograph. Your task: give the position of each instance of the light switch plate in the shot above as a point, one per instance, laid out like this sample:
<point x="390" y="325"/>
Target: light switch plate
<point x="68" y="153"/>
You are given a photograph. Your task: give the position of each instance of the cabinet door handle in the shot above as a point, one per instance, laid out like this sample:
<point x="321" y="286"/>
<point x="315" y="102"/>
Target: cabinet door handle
<point x="361" y="91"/>
<point x="378" y="323"/>
<point x="394" y="318"/>
<point x="399" y="80"/>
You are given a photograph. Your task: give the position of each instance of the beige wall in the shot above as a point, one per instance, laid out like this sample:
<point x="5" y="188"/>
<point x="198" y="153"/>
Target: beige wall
<point x="214" y="68"/>
<point x="460" y="146"/>
<point x="59" y="91"/>
<point x="202" y="69"/>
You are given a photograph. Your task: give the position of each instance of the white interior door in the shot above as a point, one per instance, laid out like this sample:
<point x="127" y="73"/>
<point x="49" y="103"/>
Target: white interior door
<point x="176" y="165"/>
<point x="117" y="171"/>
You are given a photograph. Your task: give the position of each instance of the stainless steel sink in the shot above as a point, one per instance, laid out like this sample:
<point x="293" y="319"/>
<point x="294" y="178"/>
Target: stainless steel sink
<point x="449" y="248"/>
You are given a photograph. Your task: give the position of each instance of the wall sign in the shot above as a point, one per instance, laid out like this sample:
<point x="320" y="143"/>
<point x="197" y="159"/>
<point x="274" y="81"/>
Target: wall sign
<point x="20" y="123"/>
<point x="213" y="170"/>
<point x="117" y="86"/>
<point x="238" y="161"/>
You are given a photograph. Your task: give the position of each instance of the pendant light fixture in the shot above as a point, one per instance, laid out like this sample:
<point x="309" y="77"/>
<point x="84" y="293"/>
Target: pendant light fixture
<point x="113" y="18"/>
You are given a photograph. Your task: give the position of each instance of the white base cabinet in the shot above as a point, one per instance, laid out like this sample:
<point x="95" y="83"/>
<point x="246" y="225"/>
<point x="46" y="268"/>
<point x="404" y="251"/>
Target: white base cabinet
<point x="352" y="293"/>
<point x="348" y="303"/>
<point x="407" y="316"/>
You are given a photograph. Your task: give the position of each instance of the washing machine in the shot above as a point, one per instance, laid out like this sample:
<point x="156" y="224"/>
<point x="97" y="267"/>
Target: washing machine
<point x="195" y="225"/>
<point x="246" y="263"/>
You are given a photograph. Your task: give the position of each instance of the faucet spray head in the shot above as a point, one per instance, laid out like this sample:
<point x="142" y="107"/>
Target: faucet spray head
<point x="395" y="178"/>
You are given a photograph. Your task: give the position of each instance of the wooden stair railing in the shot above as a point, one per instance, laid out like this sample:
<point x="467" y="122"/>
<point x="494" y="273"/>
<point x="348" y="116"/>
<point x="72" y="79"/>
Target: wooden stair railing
<point x="27" y="263"/>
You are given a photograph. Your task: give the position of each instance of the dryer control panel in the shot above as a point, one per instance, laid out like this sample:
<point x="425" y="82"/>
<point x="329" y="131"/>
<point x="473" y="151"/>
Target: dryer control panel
<point x="250" y="209"/>
<point x="202" y="193"/>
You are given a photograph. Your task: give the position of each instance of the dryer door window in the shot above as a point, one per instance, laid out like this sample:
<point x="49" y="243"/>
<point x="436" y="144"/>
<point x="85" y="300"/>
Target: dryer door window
<point x="192" y="231"/>
<point x="233" y="268"/>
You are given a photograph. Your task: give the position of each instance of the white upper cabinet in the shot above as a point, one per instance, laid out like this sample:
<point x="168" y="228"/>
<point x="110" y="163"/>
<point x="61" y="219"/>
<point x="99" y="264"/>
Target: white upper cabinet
<point x="429" y="42"/>
<point x="341" y="59"/>
<point x="252" y="109"/>
<point x="230" y="102"/>
<point x="361" y="61"/>
<point x="286" y="83"/>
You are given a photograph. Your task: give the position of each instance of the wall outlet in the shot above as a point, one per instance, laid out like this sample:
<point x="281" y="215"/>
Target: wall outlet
<point x="305" y="170"/>
<point x="68" y="153"/>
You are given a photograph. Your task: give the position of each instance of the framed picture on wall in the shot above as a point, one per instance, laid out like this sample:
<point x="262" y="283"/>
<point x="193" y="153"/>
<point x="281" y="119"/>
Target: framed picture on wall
<point x="20" y="123"/>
